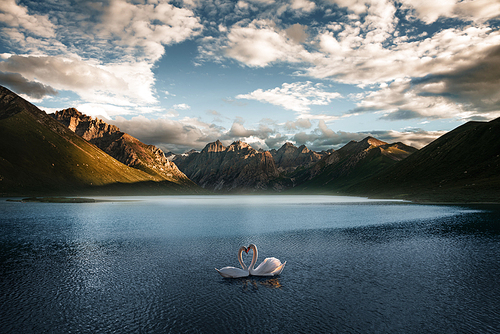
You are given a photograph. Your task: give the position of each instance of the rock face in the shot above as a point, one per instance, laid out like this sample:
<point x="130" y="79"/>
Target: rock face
<point x="121" y="146"/>
<point x="289" y="157"/>
<point x="238" y="167"/>
<point x="352" y="163"/>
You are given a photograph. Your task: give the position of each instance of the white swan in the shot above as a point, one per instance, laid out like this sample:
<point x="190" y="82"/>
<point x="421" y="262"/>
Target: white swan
<point x="232" y="272"/>
<point x="271" y="266"/>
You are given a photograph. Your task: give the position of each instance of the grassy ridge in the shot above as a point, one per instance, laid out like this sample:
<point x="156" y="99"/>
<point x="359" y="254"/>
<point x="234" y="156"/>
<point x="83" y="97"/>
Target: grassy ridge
<point x="40" y="156"/>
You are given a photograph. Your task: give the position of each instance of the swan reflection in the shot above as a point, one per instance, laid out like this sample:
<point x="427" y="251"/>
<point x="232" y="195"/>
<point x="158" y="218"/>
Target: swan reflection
<point x="254" y="283"/>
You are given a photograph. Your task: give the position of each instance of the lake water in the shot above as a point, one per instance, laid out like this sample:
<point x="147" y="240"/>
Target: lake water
<point x="146" y="265"/>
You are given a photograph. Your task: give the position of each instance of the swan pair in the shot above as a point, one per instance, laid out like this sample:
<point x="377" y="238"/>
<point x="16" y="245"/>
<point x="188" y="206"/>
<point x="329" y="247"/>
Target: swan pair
<point x="271" y="266"/>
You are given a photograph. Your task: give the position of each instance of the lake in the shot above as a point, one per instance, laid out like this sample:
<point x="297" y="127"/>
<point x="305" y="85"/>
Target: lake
<point x="146" y="265"/>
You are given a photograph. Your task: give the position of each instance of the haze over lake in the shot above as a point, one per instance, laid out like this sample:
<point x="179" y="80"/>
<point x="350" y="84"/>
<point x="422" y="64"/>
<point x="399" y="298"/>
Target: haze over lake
<point x="146" y="264"/>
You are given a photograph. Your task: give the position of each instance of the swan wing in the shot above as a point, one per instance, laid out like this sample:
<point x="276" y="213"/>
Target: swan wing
<point x="278" y="270"/>
<point x="268" y="267"/>
<point x="232" y="272"/>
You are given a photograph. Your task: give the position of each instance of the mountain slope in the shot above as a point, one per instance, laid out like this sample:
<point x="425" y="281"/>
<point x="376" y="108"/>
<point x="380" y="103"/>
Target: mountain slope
<point x="462" y="165"/>
<point x="351" y="164"/>
<point x="238" y="167"/>
<point x="289" y="157"/>
<point x="38" y="155"/>
<point x="121" y="146"/>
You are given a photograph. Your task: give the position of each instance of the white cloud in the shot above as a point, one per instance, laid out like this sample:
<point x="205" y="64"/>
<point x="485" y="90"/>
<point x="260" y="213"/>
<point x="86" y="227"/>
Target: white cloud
<point x="431" y="11"/>
<point x="181" y="106"/>
<point x="107" y="61"/>
<point x="170" y="135"/>
<point x="260" y="43"/>
<point x="148" y="26"/>
<point x="303" y="5"/>
<point x="17" y="16"/>
<point x="298" y="96"/>
<point x="120" y="84"/>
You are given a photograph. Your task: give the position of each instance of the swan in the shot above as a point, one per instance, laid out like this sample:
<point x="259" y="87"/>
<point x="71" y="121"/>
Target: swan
<point x="232" y="272"/>
<point x="271" y="266"/>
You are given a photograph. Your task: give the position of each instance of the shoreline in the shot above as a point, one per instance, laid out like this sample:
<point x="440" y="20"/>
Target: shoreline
<point x="76" y="199"/>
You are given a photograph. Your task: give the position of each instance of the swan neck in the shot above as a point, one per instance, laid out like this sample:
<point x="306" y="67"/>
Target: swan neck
<point x="254" y="257"/>
<point x="240" y="258"/>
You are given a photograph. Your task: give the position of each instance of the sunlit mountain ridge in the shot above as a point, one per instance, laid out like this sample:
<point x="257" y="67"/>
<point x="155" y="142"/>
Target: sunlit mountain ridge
<point x="39" y="155"/>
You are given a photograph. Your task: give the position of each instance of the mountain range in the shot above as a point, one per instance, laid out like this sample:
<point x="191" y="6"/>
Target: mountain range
<point x="71" y="153"/>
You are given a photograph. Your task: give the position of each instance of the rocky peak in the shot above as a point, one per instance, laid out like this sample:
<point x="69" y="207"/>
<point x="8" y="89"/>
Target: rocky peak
<point x="84" y="125"/>
<point x="373" y="141"/>
<point x="303" y="149"/>
<point x="239" y="145"/>
<point x="238" y="167"/>
<point x="214" y="147"/>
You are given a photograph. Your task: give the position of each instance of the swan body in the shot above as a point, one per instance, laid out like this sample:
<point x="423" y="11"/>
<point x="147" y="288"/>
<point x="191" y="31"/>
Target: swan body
<point x="233" y="272"/>
<point x="271" y="266"/>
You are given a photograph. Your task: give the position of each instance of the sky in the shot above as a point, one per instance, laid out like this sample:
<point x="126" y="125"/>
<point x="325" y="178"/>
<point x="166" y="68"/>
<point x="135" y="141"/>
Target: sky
<point x="181" y="74"/>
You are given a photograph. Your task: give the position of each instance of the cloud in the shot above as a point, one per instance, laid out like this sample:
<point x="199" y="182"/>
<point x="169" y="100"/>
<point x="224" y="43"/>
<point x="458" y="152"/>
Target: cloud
<point x="463" y="83"/>
<point x="399" y="101"/>
<point x="324" y="138"/>
<point x="21" y="85"/>
<point x="17" y="16"/>
<point x="146" y="26"/>
<point x="238" y="131"/>
<point x="417" y="138"/>
<point x="170" y="135"/>
<point x="431" y="11"/>
<point x="261" y="43"/>
<point x="112" y="83"/>
<point x="181" y="106"/>
<point x="463" y="92"/>
<point x="300" y="123"/>
<point x="298" y="96"/>
<point x="104" y="52"/>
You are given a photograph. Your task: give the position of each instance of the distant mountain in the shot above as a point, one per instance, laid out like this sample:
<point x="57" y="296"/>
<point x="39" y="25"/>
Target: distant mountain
<point x="289" y="157"/>
<point x="121" y="146"/>
<point x="351" y="164"/>
<point x="235" y="168"/>
<point x="40" y="156"/>
<point x="462" y="165"/>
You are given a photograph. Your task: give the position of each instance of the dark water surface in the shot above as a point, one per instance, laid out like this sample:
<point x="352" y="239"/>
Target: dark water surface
<point x="147" y="266"/>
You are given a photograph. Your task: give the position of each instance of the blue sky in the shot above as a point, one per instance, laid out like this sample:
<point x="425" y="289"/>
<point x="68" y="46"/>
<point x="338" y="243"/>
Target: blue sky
<point x="180" y="74"/>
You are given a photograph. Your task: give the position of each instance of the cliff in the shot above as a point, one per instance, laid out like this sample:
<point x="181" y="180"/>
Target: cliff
<point x="121" y="146"/>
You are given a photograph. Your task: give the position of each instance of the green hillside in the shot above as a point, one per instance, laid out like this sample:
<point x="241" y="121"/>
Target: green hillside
<point x="38" y="155"/>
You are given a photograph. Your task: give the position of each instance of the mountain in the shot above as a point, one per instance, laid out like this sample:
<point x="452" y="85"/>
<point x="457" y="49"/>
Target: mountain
<point x="121" y="146"/>
<point x="289" y="157"/>
<point x="238" y="167"/>
<point x="462" y="165"/>
<point x="353" y="163"/>
<point x="40" y="156"/>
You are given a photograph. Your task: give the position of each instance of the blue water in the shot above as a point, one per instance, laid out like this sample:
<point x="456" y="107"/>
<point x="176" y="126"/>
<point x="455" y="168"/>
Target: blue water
<point x="146" y="265"/>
